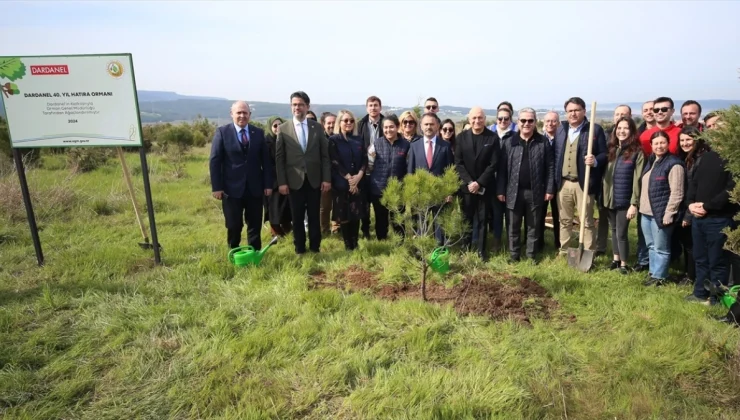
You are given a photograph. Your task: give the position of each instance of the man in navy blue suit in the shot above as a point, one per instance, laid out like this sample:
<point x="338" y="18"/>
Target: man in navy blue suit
<point x="241" y="175"/>
<point x="432" y="154"/>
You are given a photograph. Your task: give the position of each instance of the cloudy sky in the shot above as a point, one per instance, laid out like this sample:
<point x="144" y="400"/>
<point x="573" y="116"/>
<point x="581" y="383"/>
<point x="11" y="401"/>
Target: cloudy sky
<point x="464" y="53"/>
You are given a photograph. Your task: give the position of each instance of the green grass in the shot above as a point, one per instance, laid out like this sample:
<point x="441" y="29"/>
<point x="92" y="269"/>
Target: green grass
<point x="99" y="332"/>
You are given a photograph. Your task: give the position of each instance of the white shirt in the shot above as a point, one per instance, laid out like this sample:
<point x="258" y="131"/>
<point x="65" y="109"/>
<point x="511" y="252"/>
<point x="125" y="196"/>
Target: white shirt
<point x="426" y="145"/>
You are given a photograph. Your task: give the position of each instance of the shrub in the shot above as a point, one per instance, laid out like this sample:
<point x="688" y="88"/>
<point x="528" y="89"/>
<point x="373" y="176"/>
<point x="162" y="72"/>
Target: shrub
<point x="47" y="203"/>
<point x="86" y="159"/>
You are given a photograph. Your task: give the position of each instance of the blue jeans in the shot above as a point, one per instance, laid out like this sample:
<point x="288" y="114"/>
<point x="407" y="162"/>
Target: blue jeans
<point x="709" y="256"/>
<point x="658" y="242"/>
<point x="643" y="257"/>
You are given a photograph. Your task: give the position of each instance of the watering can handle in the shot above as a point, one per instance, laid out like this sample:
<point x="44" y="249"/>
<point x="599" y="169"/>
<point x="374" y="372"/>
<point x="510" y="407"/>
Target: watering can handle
<point x="233" y="251"/>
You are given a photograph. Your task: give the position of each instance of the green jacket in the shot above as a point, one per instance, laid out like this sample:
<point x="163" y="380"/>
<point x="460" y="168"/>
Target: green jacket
<point x="608" y="180"/>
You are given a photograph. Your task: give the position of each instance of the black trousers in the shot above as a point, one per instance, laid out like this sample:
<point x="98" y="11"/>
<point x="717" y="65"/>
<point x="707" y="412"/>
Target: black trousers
<point x="306" y="201"/>
<point x="365" y="185"/>
<point x="602" y="235"/>
<point x="524" y="210"/>
<point x="685" y="238"/>
<point x="476" y="208"/>
<point x="237" y="211"/>
<point x="555" y="223"/>
<point x="383" y="220"/>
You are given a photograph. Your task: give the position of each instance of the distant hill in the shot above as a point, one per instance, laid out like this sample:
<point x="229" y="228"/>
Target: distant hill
<point x="162" y="106"/>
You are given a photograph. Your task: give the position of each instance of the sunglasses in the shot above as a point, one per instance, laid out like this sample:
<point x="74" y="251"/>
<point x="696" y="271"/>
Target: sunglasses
<point x="448" y="130"/>
<point x="348" y="121"/>
<point x="431" y="107"/>
<point x="526" y="121"/>
<point x="663" y="110"/>
<point x="275" y="125"/>
<point x="504" y="118"/>
<point x="407" y="122"/>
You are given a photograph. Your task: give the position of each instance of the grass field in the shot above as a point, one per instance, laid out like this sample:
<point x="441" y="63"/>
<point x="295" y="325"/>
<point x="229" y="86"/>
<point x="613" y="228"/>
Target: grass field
<point x="101" y="333"/>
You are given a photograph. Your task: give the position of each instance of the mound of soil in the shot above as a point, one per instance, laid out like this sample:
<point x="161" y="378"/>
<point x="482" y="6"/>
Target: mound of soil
<point x="497" y="297"/>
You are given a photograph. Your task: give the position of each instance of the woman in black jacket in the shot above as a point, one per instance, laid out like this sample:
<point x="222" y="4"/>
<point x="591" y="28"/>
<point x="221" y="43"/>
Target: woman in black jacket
<point x="710" y="186"/>
<point x="448" y="133"/>
<point x="690" y="150"/>
<point x="390" y="153"/>
<point x="277" y="206"/>
<point x="348" y="165"/>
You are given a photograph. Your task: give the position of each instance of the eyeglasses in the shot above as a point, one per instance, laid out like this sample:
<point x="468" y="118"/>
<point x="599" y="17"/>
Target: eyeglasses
<point x="407" y="122"/>
<point x="526" y="121"/>
<point x="448" y="130"/>
<point x="431" y="107"/>
<point x="573" y="111"/>
<point x="348" y="121"/>
<point x="504" y="118"/>
<point x="663" y="110"/>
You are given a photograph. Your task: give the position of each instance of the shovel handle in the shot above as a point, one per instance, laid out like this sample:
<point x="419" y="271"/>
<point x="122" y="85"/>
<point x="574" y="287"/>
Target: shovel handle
<point x="587" y="178"/>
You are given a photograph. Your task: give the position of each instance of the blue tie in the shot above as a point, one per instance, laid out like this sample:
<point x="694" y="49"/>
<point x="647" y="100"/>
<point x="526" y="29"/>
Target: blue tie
<point x="244" y="140"/>
<point x="303" y="138"/>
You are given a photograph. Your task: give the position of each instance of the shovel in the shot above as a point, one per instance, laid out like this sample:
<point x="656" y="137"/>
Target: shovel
<point x="127" y="175"/>
<point x="580" y="258"/>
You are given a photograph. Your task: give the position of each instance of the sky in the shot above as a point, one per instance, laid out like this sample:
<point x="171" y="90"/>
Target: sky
<point x="533" y="53"/>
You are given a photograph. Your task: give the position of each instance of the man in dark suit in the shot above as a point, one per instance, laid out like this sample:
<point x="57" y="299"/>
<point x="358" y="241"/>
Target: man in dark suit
<point x="476" y="160"/>
<point x="571" y="158"/>
<point x="431" y="153"/>
<point x="241" y="175"/>
<point x="303" y="170"/>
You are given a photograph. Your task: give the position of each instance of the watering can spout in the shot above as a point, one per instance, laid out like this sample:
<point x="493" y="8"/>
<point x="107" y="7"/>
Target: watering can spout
<point x="262" y="251"/>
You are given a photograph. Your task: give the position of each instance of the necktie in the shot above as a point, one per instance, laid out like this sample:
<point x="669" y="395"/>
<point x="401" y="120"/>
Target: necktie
<point x="429" y="154"/>
<point x="303" y="137"/>
<point x="244" y="140"/>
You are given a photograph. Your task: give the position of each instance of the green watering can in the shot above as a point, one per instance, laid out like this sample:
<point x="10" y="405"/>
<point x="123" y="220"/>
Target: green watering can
<point x="439" y="261"/>
<point x="726" y="296"/>
<point x="247" y="255"/>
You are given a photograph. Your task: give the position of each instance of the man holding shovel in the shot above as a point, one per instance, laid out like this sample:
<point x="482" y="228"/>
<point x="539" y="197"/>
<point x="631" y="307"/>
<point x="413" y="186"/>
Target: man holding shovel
<point x="571" y="159"/>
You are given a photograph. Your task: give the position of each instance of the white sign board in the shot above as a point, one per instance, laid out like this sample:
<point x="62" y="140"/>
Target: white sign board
<point x="70" y="101"/>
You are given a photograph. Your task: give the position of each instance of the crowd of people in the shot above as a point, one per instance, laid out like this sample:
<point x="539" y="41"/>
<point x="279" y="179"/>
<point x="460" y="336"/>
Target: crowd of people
<point x="321" y="176"/>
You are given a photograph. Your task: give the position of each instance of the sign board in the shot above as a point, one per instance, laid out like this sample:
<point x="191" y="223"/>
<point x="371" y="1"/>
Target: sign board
<point x="71" y="101"/>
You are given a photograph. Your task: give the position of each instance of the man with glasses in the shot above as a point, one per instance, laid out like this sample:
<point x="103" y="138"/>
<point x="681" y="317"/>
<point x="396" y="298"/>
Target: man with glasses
<point x="571" y="158"/>
<point x="369" y="129"/>
<point x="525" y="183"/>
<point x="550" y="128"/>
<point x="241" y="175"/>
<point x="663" y="111"/>
<point x="303" y="170"/>
<point x="498" y="216"/>
<point x="476" y="161"/>
<point x="431" y="105"/>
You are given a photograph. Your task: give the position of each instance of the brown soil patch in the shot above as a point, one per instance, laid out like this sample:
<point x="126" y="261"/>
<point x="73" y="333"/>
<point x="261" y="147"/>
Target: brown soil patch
<point x="497" y="297"/>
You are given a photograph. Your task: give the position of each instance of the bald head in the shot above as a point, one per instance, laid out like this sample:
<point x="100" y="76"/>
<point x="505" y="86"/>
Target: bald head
<point x="550" y="124"/>
<point x="240" y="113"/>
<point x="477" y="119"/>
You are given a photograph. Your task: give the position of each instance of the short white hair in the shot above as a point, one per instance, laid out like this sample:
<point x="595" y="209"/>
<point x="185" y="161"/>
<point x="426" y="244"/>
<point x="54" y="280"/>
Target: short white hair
<point x="527" y="111"/>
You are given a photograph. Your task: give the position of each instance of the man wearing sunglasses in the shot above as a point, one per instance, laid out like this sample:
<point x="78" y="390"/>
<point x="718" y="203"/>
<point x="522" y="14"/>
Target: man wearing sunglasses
<point x="663" y="111"/>
<point x="431" y="105"/>
<point x="571" y="158"/>
<point x="525" y="183"/>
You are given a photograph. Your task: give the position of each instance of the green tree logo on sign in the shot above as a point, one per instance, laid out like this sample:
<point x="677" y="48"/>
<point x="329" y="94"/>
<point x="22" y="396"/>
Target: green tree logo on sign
<point x="11" y="68"/>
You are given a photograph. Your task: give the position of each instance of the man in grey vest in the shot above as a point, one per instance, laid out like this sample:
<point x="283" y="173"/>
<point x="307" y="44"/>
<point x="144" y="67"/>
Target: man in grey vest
<point x="571" y="158"/>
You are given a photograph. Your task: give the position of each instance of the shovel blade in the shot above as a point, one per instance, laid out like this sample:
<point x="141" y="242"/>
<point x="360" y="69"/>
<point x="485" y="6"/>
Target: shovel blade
<point x="587" y="260"/>
<point x="580" y="259"/>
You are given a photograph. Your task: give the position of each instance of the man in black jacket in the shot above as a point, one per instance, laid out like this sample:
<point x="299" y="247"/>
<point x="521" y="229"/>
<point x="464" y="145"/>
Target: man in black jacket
<point x="369" y="129"/>
<point x="525" y="182"/>
<point x="476" y="161"/>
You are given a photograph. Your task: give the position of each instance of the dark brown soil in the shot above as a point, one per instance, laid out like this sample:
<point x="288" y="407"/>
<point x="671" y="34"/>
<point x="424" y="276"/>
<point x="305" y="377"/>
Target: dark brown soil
<point x="498" y="297"/>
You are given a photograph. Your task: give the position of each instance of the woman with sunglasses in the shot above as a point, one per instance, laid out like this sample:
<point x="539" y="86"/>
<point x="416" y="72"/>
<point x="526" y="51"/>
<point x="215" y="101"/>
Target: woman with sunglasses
<point x="390" y="162"/>
<point x="621" y="187"/>
<point x="409" y="126"/>
<point x="448" y="133"/>
<point x="277" y="206"/>
<point x="348" y="165"/>
<point x="662" y="190"/>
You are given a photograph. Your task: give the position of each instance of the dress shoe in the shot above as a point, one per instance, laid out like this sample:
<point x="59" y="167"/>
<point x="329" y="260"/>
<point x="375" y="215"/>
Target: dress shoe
<point x="693" y="299"/>
<point x="614" y="265"/>
<point x="652" y="281"/>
